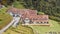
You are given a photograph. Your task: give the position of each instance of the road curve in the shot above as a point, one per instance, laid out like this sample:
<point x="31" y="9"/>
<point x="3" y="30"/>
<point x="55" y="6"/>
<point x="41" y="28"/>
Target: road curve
<point x="14" y="21"/>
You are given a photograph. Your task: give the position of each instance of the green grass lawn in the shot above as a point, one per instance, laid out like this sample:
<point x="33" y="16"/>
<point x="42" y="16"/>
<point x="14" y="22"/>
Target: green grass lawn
<point x="54" y="27"/>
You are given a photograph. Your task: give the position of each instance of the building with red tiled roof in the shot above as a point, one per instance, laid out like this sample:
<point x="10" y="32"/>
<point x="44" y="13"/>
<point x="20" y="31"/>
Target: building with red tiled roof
<point x="39" y="18"/>
<point x="30" y="16"/>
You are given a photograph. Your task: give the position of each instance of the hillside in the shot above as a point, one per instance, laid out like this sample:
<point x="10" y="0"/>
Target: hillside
<point x="19" y="30"/>
<point x="53" y="28"/>
<point x="49" y="7"/>
<point x="4" y="18"/>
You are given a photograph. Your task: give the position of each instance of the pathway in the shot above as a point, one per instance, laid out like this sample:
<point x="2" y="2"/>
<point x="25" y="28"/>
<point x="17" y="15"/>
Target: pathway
<point x="14" y="21"/>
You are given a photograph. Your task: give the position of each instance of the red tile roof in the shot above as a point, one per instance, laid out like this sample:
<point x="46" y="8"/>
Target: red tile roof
<point x="38" y="18"/>
<point x="23" y="11"/>
<point x="31" y="14"/>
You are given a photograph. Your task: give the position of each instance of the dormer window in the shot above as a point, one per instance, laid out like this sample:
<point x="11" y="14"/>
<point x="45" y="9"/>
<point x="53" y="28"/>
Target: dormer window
<point x="26" y="20"/>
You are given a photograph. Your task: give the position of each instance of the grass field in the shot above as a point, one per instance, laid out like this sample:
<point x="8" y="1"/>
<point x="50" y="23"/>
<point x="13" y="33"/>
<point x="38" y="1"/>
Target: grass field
<point x="54" y="27"/>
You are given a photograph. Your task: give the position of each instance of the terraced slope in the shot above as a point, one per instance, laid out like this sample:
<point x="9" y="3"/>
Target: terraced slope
<point x="19" y="30"/>
<point x="4" y="18"/>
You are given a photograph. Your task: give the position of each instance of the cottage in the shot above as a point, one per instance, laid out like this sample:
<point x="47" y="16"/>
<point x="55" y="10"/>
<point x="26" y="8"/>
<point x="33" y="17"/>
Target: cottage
<point x="29" y="16"/>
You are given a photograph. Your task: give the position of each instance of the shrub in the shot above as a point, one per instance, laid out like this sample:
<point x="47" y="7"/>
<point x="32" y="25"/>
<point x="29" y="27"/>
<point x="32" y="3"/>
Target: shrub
<point x="55" y="18"/>
<point x="41" y="13"/>
<point x="0" y="19"/>
<point x="16" y="4"/>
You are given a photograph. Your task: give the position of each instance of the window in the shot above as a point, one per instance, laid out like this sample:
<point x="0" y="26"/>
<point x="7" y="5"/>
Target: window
<point x="27" y="20"/>
<point x="17" y="15"/>
<point x="13" y="15"/>
<point x="46" y="22"/>
<point x="41" y="22"/>
<point x="37" y="22"/>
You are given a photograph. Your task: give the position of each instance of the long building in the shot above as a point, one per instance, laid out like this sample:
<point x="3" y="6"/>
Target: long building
<point x="29" y="16"/>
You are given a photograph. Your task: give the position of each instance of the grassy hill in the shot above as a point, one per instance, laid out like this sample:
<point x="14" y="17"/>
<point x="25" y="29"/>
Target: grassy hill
<point x="54" y="27"/>
<point x="47" y="7"/>
<point x="19" y="30"/>
<point x="4" y="18"/>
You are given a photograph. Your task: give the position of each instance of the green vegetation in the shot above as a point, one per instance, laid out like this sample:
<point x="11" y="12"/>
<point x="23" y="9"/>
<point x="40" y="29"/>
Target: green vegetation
<point x="4" y="18"/>
<point x="54" y="27"/>
<point x="3" y="10"/>
<point x="49" y="7"/>
<point x="19" y="30"/>
<point x="17" y="4"/>
<point x="40" y="13"/>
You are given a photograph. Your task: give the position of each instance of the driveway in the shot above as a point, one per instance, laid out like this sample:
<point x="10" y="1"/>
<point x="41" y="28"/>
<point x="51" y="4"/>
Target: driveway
<point x="13" y="22"/>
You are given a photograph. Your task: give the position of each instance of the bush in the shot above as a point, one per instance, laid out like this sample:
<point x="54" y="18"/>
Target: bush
<point x="17" y="4"/>
<point x="55" y="18"/>
<point x="40" y="13"/>
<point x="0" y="19"/>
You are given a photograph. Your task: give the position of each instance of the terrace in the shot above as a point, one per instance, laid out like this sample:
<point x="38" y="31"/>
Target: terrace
<point x="4" y="18"/>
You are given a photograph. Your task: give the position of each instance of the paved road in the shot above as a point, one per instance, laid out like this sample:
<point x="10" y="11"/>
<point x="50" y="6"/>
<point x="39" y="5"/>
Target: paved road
<point x="16" y="21"/>
<point x="13" y="22"/>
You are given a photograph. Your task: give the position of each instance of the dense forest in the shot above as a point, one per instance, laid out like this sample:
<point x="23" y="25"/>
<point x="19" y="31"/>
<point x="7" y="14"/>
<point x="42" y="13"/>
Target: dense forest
<point x="50" y="7"/>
